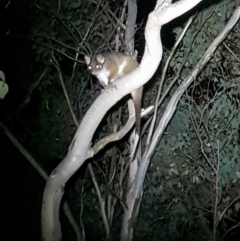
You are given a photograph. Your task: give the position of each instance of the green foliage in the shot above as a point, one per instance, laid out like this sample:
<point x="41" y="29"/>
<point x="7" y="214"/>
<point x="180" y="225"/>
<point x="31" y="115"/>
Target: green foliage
<point x="180" y="185"/>
<point x="3" y="89"/>
<point x="3" y="85"/>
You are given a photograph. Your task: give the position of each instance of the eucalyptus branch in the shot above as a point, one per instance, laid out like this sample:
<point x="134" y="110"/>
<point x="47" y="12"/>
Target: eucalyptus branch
<point x="31" y="89"/>
<point x="234" y="55"/>
<point x="201" y="143"/>
<point x="101" y="201"/>
<point x="66" y="27"/>
<point x="130" y="25"/>
<point x="173" y="102"/>
<point x="169" y="87"/>
<point x="226" y="208"/>
<point x="42" y="173"/>
<point x="229" y="230"/>
<point x="56" y="64"/>
<point x="118" y="35"/>
<point x="65" y="45"/>
<point x="114" y="136"/>
<point x="217" y="197"/>
<point x="153" y="122"/>
<point x="80" y="216"/>
<point x="108" y="11"/>
<point x="90" y="168"/>
<point x="51" y="228"/>
<point x="84" y="38"/>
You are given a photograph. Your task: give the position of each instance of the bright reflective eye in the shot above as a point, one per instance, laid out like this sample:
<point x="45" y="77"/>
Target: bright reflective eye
<point x="89" y="67"/>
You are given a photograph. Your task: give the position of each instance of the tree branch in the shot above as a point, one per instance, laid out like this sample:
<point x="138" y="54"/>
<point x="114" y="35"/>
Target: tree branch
<point x="77" y="154"/>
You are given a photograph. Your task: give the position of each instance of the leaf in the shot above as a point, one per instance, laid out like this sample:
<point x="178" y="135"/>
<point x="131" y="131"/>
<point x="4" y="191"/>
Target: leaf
<point x="237" y="206"/>
<point x="3" y="89"/>
<point x="2" y="76"/>
<point x="174" y="171"/>
<point x="238" y="174"/>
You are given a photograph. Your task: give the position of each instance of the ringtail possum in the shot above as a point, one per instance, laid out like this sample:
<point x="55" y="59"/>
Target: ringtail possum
<point x="109" y="66"/>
